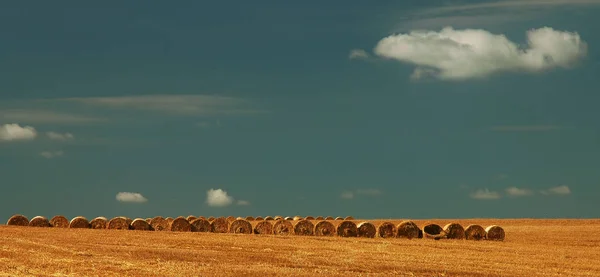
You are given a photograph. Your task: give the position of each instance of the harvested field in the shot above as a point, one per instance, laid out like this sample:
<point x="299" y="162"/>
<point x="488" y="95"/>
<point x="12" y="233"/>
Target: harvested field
<point x="569" y="249"/>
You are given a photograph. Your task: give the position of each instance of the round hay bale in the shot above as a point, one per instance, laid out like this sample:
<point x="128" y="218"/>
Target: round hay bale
<point x="495" y="232"/>
<point x="366" y="230"/>
<point x="278" y="217"/>
<point x="240" y="226"/>
<point x="210" y="219"/>
<point x="298" y="218"/>
<point x="202" y="217"/>
<point x="59" y="221"/>
<point x="339" y="218"/>
<point x="269" y="218"/>
<point x="309" y="218"/>
<point x="148" y="220"/>
<point x="190" y="218"/>
<point x="219" y="225"/>
<point x="99" y="223"/>
<point x="18" y="220"/>
<point x="329" y="218"/>
<point x="169" y="220"/>
<point x="118" y="223"/>
<point x="433" y="231"/>
<point x="454" y="231"/>
<point x="263" y="228"/>
<point x="39" y="221"/>
<point x="249" y="218"/>
<point x="474" y="232"/>
<point x="129" y="220"/>
<point x="258" y="218"/>
<point x="230" y="218"/>
<point x="349" y="218"/>
<point x="347" y="229"/>
<point x="180" y="224"/>
<point x="159" y="223"/>
<point x="304" y="228"/>
<point x="324" y="229"/>
<point x="289" y="218"/>
<point x="320" y="218"/>
<point x="200" y="225"/>
<point x="79" y="222"/>
<point x="283" y="228"/>
<point x="140" y="225"/>
<point x="386" y="230"/>
<point x="407" y="229"/>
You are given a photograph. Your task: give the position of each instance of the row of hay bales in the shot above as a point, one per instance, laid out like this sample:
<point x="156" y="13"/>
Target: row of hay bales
<point x="264" y="226"/>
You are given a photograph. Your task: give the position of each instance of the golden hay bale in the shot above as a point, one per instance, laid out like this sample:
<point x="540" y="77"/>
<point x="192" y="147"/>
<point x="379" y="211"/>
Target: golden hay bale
<point x="347" y="229"/>
<point x="190" y="218"/>
<point x="407" y="229"/>
<point x="140" y="225"/>
<point x="263" y="228"/>
<point x="433" y="231"/>
<point x="283" y="228"/>
<point x="230" y="218"/>
<point x="249" y="218"/>
<point x="474" y="232"/>
<point x="386" y="230"/>
<point x="39" y="221"/>
<point x="304" y="228"/>
<point x="169" y="220"/>
<point x="324" y="229"/>
<point x="289" y="218"/>
<point x="118" y="223"/>
<point x="200" y="225"/>
<point x="18" y="220"/>
<point x="59" y="221"/>
<point x="297" y="218"/>
<point x="159" y="223"/>
<point x="79" y="222"/>
<point x="320" y="218"/>
<point x="99" y="223"/>
<point x="366" y="230"/>
<point x="148" y="220"/>
<point x="219" y="225"/>
<point x="269" y="218"/>
<point x="180" y="224"/>
<point x="202" y="217"/>
<point x="210" y="219"/>
<point x="258" y="218"/>
<point x="309" y="218"/>
<point x="339" y="218"/>
<point x="278" y="217"/>
<point x="349" y="218"/>
<point x="494" y="232"/>
<point x="454" y="231"/>
<point x="240" y="226"/>
<point x="329" y="218"/>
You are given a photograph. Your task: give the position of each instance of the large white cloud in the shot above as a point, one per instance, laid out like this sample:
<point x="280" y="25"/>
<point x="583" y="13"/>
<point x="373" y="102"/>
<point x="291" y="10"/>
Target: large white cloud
<point x="515" y="191"/>
<point x="485" y="194"/>
<point x="131" y="197"/>
<point x="472" y="53"/>
<point x="12" y="132"/>
<point x="218" y="198"/>
<point x="559" y="190"/>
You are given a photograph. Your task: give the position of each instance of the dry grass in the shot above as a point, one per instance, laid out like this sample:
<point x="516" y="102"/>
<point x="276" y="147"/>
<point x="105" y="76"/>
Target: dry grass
<point x="568" y="248"/>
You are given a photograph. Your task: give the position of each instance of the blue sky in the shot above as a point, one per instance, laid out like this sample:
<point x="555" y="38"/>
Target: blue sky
<point x="394" y="109"/>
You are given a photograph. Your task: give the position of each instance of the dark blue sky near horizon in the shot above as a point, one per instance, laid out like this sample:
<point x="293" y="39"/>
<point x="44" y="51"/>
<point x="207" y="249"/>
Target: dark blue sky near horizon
<point x="382" y="110"/>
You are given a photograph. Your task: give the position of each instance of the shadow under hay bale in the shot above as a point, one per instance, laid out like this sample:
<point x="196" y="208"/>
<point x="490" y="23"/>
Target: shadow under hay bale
<point x="420" y="233"/>
<point x="349" y="218"/>
<point x="269" y="218"/>
<point x="140" y="224"/>
<point x="18" y="220"/>
<point x="99" y="223"/>
<point x="258" y="218"/>
<point x="118" y="223"/>
<point x="304" y="228"/>
<point x="79" y="222"/>
<point x="320" y="218"/>
<point x="289" y="218"/>
<point x="309" y="218"/>
<point x="366" y="230"/>
<point x="339" y="218"/>
<point x="386" y="230"/>
<point x="283" y="228"/>
<point x="454" y="231"/>
<point x="249" y="218"/>
<point x="230" y="218"/>
<point x="219" y="225"/>
<point x="433" y="231"/>
<point x="298" y="218"/>
<point x="263" y="228"/>
<point x="324" y="229"/>
<point x="329" y="218"/>
<point x="190" y="218"/>
<point x="495" y="232"/>
<point x="159" y="223"/>
<point x="180" y="224"/>
<point x="407" y="229"/>
<point x="240" y="226"/>
<point x="59" y="221"/>
<point x="474" y="232"/>
<point x="347" y="229"/>
<point x="201" y="225"/>
<point x="39" y="221"/>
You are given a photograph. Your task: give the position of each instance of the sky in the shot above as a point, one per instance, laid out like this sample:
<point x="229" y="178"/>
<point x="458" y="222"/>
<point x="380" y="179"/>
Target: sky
<point x="390" y="109"/>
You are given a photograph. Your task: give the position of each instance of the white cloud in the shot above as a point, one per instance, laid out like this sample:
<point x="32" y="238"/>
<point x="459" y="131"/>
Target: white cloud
<point x="514" y="191"/>
<point x="59" y="136"/>
<point x="51" y="154"/>
<point x="33" y="116"/>
<point x="218" y="198"/>
<point x="358" y="54"/>
<point x="485" y="194"/>
<point x="12" y="132"/>
<point x="559" y="190"/>
<point x="474" y="53"/>
<point x="512" y="4"/>
<point x="347" y="195"/>
<point x="525" y="128"/>
<point x="131" y="197"/>
<point x="243" y="203"/>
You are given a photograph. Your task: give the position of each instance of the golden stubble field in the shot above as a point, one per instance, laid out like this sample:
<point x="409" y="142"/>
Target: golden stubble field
<point x="533" y="247"/>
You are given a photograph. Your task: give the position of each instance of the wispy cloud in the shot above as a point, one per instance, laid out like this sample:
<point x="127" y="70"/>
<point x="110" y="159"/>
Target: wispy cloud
<point x="358" y="54"/>
<point x="51" y="154"/>
<point x="525" y="128"/>
<point x="485" y="194"/>
<point x="243" y="203"/>
<point x="351" y="194"/>
<point x="59" y="136"/>
<point x="131" y="197"/>
<point x="517" y="192"/>
<point x="559" y="190"/>
<point x="36" y="116"/>
<point x="16" y="132"/>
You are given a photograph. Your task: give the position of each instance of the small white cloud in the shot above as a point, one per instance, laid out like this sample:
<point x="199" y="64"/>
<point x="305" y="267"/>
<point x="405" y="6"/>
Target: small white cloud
<point x="131" y="197"/>
<point x="243" y="203"/>
<point x="218" y="198"/>
<point x="559" y="190"/>
<point x="13" y="132"/>
<point x="51" y="154"/>
<point x="347" y="195"/>
<point x="358" y="54"/>
<point x="485" y="194"/>
<point x="474" y="53"/>
<point x="514" y="191"/>
<point x="58" y="136"/>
